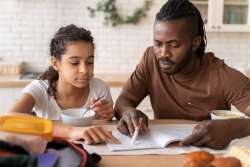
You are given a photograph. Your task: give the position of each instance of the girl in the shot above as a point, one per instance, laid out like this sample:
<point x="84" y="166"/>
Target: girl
<point x="69" y="83"/>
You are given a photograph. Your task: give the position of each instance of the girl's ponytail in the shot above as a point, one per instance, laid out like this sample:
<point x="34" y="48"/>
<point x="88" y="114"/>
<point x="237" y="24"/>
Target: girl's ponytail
<point x="51" y="76"/>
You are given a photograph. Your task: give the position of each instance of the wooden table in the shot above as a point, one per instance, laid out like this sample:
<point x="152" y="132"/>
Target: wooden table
<point x="145" y="160"/>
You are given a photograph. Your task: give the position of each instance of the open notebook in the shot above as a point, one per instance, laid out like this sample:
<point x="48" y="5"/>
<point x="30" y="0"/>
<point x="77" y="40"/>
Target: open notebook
<point x="159" y="136"/>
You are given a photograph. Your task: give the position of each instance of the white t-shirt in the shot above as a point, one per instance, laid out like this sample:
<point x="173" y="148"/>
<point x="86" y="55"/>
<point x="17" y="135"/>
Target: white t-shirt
<point x="47" y="107"/>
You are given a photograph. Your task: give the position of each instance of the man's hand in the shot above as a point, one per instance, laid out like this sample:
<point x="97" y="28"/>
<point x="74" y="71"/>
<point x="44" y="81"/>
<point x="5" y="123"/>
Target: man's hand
<point x="215" y="134"/>
<point x="130" y="120"/>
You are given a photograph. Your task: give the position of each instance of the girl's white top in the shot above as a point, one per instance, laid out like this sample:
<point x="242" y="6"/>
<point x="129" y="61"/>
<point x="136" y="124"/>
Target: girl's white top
<point x="47" y="107"/>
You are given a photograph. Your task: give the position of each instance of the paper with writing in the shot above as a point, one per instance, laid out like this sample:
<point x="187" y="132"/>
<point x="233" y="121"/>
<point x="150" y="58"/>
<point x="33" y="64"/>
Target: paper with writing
<point x="159" y="136"/>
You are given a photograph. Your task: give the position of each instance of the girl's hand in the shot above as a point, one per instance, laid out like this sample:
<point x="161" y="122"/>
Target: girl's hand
<point x="92" y="135"/>
<point x="103" y="109"/>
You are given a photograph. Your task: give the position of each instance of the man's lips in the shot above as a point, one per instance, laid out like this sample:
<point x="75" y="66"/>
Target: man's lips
<point x="165" y="64"/>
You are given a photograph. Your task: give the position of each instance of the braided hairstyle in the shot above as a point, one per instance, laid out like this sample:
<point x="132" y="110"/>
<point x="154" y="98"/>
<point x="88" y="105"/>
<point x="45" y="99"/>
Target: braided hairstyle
<point x="183" y="9"/>
<point x="58" y="46"/>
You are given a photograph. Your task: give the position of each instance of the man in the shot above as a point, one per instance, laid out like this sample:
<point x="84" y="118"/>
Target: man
<point x="184" y="82"/>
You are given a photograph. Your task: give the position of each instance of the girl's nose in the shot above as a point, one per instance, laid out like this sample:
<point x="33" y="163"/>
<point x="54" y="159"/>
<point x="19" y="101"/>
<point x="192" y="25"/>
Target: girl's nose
<point x="82" y="68"/>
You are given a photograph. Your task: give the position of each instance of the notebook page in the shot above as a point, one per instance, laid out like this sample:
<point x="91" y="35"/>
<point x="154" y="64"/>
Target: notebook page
<point x="167" y="134"/>
<point x="142" y="142"/>
<point x="158" y="137"/>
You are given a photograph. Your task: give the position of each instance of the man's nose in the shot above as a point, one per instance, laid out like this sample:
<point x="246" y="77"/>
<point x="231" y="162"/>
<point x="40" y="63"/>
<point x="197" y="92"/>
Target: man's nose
<point x="164" y="51"/>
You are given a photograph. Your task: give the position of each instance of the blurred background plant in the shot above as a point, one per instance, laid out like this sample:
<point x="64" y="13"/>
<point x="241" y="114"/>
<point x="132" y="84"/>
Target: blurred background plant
<point x="112" y="16"/>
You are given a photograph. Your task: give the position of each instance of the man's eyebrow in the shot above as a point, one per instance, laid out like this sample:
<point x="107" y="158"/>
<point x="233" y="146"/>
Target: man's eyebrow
<point x="170" y="41"/>
<point x="156" y="40"/>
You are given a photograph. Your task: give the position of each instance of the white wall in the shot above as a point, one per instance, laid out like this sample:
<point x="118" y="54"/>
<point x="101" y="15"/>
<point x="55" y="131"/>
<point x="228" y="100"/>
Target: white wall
<point x="234" y="48"/>
<point x="26" y="27"/>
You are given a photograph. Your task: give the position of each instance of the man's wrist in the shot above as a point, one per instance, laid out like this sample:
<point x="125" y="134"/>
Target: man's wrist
<point x="117" y="114"/>
<point x="245" y="127"/>
<point x="239" y="128"/>
<point x="120" y="112"/>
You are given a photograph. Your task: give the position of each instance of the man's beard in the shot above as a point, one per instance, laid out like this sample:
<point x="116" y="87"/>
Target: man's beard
<point x="181" y="65"/>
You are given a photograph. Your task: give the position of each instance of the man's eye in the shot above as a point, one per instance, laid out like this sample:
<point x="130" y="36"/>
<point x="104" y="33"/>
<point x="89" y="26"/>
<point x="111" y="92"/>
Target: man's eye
<point x="157" y="44"/>
<point x="174" y="45"/>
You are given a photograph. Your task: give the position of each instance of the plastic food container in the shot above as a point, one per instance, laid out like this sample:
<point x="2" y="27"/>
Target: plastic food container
<point x="30" y="132"/>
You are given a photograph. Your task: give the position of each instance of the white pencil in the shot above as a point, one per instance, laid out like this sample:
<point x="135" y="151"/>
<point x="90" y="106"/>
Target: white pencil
<point x="136" y="133"/>
<point x="137" y="130"/>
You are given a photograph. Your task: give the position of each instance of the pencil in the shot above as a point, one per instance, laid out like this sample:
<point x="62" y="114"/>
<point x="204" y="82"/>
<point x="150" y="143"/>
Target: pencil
<point x="137" y="130"/>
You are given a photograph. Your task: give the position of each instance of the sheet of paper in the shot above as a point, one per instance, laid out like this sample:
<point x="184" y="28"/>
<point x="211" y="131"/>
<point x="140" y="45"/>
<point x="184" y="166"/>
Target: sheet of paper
<point x="102" y="149"/>
<point x="158" y="137"/>
<point x="142" y="142"/>
<point x="163" y="135"/>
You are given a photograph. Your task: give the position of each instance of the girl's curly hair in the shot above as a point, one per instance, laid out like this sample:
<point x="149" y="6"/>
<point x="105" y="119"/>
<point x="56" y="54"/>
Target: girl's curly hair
<point x="58" y="46"/>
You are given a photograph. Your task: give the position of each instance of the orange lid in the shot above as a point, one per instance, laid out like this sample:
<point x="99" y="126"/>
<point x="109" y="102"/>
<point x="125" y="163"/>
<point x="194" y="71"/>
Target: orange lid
<point x="27" y="124"/>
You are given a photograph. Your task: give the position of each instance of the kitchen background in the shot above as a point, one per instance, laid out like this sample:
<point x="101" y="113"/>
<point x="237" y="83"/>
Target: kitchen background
<point x="26" y="27"/>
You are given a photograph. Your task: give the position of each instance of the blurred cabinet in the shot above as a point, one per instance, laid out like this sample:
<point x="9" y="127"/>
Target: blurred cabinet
<point x="225" y="15"/>
<point x="8" y="96"/>
<point x="204" y="7"/>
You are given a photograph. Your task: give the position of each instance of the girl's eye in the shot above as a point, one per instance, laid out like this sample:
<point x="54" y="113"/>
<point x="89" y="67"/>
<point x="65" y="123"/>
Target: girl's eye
<point x="90" y="62"/>
<point x="74" y="63"/>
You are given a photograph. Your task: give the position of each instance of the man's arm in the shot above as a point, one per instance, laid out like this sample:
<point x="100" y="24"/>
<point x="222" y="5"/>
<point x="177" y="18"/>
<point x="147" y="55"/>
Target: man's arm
<point x="218" y="134"/>
<point x="125" y="111"/>
<point x="134" y="91"/>
<point x="125" y="102"/>
<point x="247" y="111"/>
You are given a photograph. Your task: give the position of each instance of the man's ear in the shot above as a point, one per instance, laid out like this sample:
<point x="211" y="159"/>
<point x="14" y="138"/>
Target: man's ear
<point x="54" y="63"/>
<point x="196" y="43"/>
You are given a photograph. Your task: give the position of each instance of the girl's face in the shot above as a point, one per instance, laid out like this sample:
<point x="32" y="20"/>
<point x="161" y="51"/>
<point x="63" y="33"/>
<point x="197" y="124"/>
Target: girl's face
<point x="76" y="65"/>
